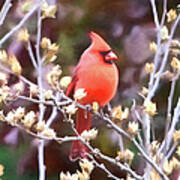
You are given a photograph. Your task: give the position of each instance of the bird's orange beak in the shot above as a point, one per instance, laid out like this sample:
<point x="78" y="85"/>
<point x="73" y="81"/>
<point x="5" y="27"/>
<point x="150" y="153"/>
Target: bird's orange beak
<point x="111" y="56"/>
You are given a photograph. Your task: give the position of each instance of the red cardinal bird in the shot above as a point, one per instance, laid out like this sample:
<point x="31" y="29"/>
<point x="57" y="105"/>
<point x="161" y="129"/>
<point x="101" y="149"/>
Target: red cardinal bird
<point x="98" y="76"/>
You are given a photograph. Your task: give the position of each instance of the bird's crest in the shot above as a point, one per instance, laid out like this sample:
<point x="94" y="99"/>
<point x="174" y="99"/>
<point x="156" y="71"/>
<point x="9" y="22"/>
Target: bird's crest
<point x="98" y="42"/>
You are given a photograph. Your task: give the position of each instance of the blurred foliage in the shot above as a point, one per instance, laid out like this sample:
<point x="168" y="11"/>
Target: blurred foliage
<point x="9" y="158"/>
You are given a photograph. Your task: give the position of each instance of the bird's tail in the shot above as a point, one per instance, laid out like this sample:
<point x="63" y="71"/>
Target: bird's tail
<point x="83" y="122"/>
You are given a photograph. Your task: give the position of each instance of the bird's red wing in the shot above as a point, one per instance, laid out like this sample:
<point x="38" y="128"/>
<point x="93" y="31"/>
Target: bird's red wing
<point x="71" y="87"/>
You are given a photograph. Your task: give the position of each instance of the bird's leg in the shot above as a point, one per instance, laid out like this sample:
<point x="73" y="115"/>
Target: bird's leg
<point x="101" y="111"/>
<point x="109" y="108"/>
<point x="88" y="109"/>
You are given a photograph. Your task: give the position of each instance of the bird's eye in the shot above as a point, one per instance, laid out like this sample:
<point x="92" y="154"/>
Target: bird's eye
<point x="108" y="56"/>
<point x="104" y="53"/>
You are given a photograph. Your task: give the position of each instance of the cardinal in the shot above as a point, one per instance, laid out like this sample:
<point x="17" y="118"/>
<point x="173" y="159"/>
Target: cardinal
<point x="97" y="74"/>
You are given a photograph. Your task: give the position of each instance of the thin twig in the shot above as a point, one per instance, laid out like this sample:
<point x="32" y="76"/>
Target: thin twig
<point x="171" y="150"/>
<point x="164" y="60"/>
<point x="170" y="133"/>
<point x="33" y="60"/>
<point x="97" y="153"/>
<point x="153" y="85"/>
<point x="121" y="143"/>
<point x="169" y="154"/>
<point x="148" y="159"/>
<point x="42" y="108"/>
<point x="42" y="167"/>
<point x="103" y="167"/>
<point x="147" y="131"/>
<point x="39" y="62"/>
<point x="54" y="112"/>
<point x="159" y="47"/>
<point x="155" y="15"/>
<point x="45" y="102"/>
<point x="25" y="80"/>
<point x="40" y="136"/>
<point x="36" y="101"/>
<point x="120" y="165"/>
<point x="57" y="139"/>
<point x="21" y="23"/>
<point x="4" y="11"/>
<point x="140" y="139"/>
<point x="170" y="100"/>
<point x="164" y="12"/>
<point x="156" y="61"/>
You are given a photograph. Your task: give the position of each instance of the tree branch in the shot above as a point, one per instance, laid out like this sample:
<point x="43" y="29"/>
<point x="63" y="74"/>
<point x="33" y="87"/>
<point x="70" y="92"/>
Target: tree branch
<point x="21" y="23"/>
<point x="4" y="11"/>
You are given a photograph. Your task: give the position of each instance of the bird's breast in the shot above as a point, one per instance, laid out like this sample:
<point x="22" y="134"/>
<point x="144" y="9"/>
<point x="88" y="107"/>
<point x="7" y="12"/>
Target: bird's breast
<point x="99" y="81"/>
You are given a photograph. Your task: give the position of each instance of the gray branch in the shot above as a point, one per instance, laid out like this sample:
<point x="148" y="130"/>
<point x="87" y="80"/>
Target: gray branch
<point x="21" y="23"/>
<point x="4" y="11"/>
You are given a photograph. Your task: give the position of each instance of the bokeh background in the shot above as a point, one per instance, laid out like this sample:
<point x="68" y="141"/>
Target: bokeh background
<point x="127" y="25"/>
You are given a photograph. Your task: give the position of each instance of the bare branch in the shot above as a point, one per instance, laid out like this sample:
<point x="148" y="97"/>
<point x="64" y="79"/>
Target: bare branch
<point x="97" y="153"/>
<point x="170" y="133"/>
<point x="21" y="23"/>
<point x="36" y="101"/>
<point x="103" y="167"/>
<point x="4" y="11"/>
<point x="54" y="113"/>
<point x="45" y="102"/>
<point x="41" y="105"/>
<point x="155" y="15"/>
<point x="164" y="12"/>
<point x="170" y="100"/>
<point x="31" y="55"/>
<point x="164" y="60"/>
<point x="171" y="151"/>
<point x="146" y="157"/>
